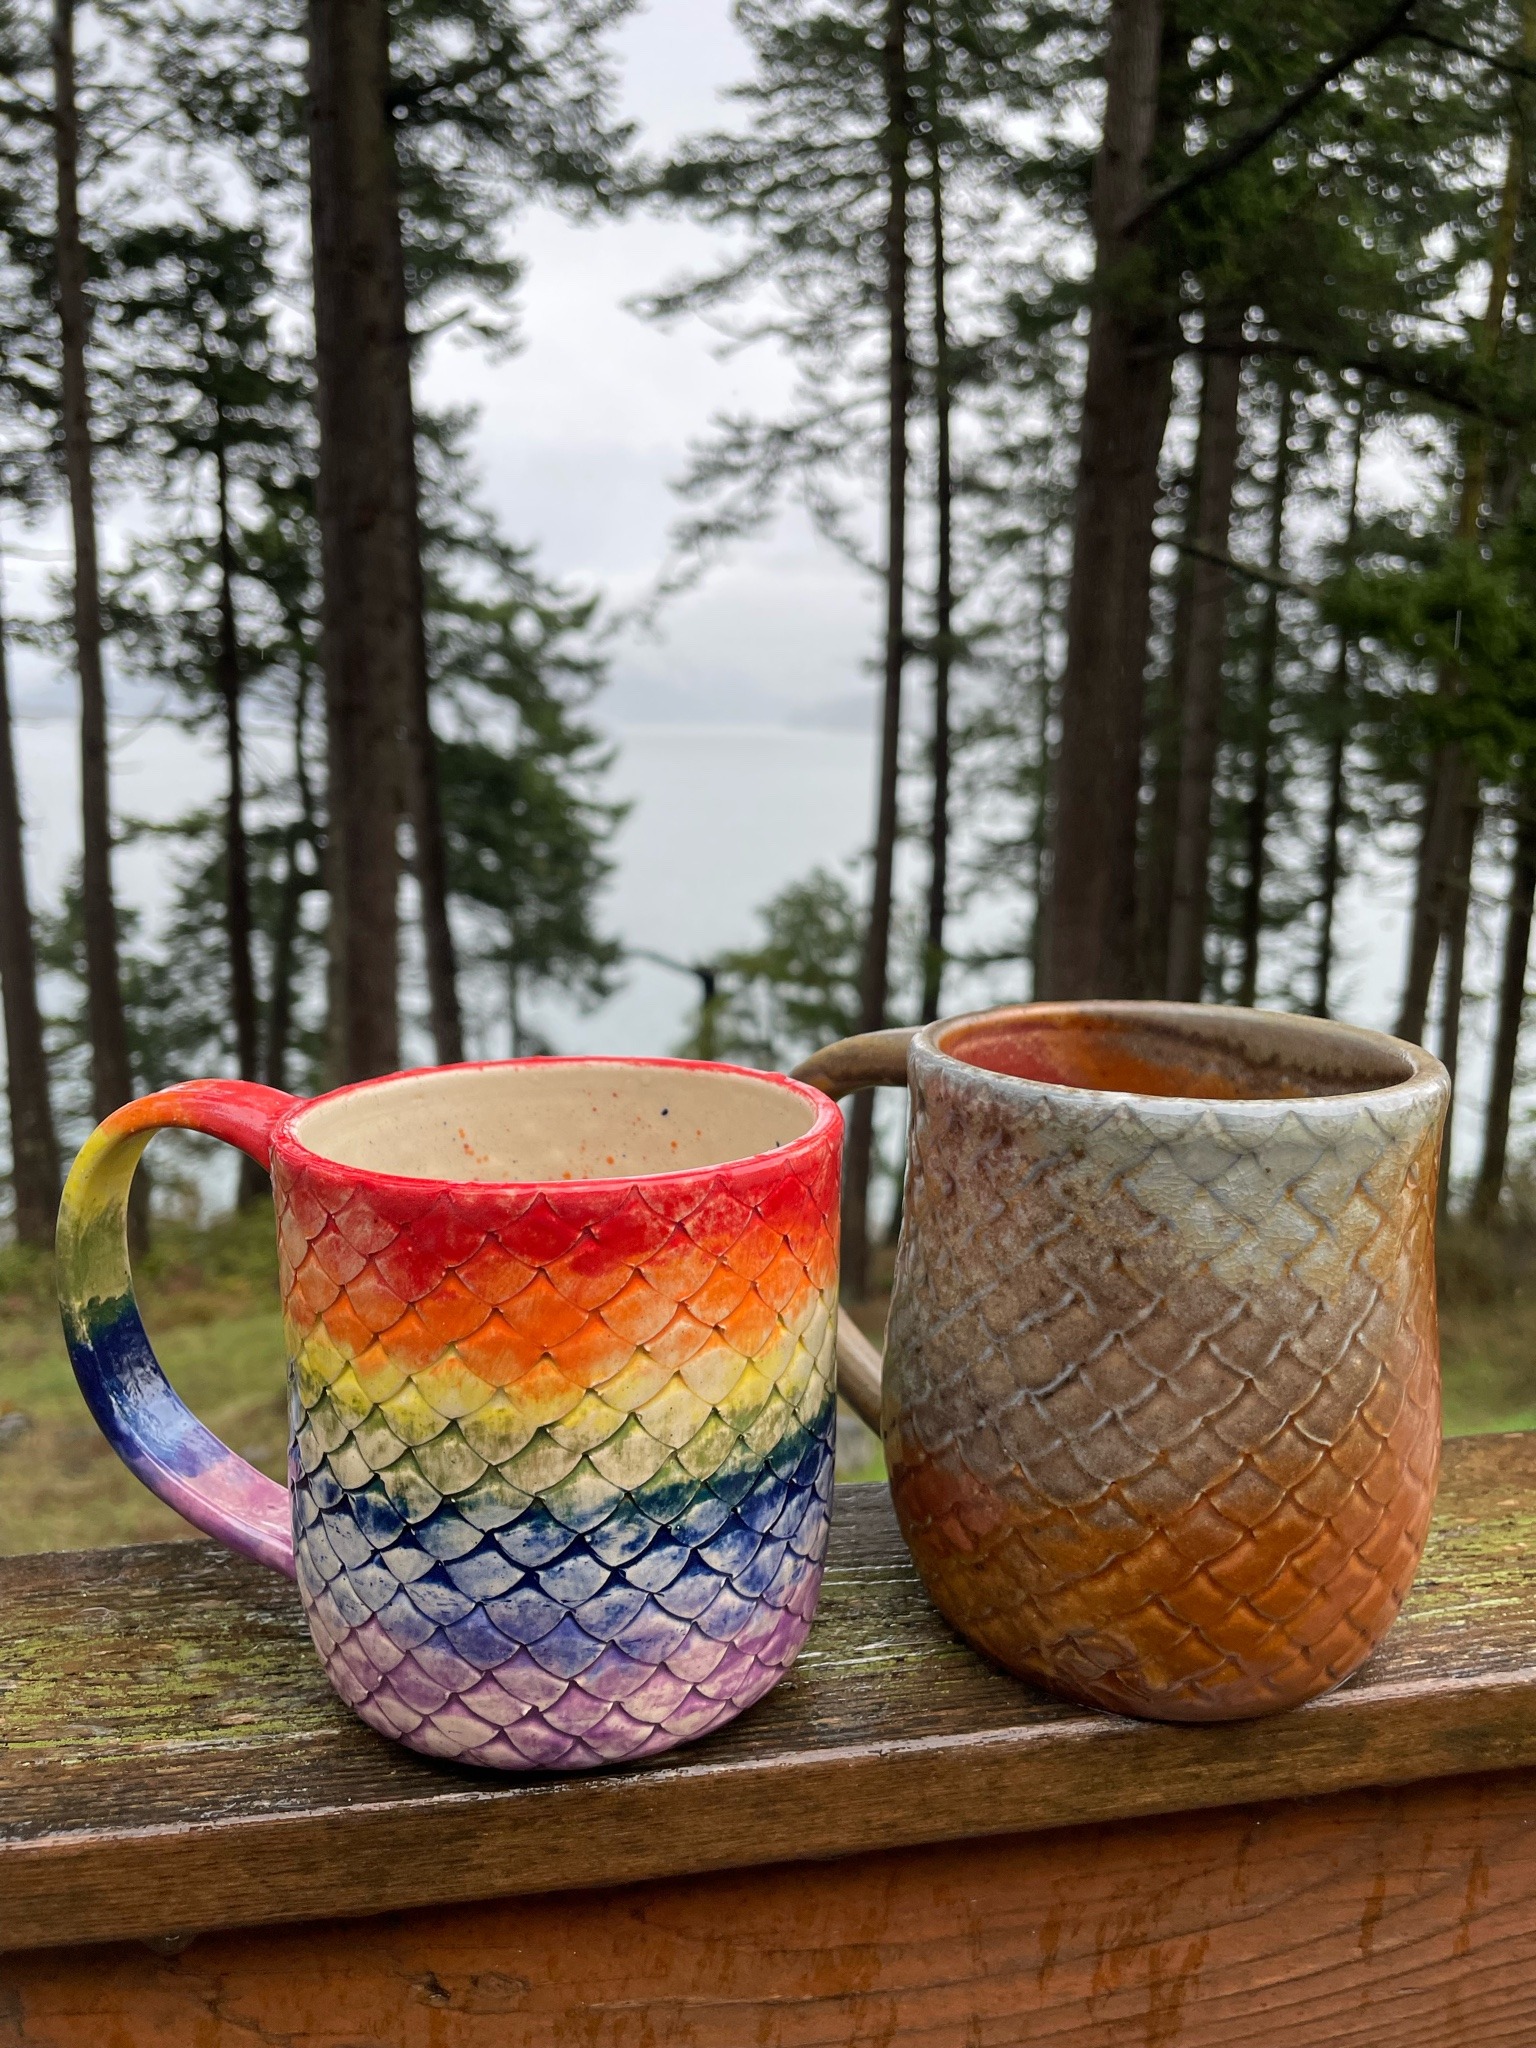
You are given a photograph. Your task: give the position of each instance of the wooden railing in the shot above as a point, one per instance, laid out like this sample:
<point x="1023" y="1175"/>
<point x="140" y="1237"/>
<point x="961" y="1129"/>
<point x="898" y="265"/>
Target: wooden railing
<point x="900" y="1845"/>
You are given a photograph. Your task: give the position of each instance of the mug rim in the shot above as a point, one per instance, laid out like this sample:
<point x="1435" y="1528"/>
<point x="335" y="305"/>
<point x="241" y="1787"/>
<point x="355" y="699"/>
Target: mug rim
<point x="826" y="1117"/>
<point x="1425" y="1072"/>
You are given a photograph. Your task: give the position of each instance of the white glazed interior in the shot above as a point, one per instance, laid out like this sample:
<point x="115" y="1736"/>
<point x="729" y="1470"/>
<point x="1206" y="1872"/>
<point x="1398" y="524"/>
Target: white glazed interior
<point x="565" y="1120"/>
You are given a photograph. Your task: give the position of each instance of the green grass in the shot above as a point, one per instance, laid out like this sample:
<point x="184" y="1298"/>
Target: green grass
<point x="1488" y="1327"/>
<point x="210" y="1303"/>
<point x="209" y="1300"/>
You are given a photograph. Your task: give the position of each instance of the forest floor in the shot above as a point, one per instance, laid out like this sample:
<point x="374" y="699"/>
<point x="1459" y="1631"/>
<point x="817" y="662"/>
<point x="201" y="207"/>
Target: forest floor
<point x="209" y="1302"/>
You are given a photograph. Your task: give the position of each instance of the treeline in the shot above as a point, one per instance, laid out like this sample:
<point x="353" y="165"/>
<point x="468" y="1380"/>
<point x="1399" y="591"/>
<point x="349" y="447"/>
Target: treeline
<point x="1187" y="351"/>
<point x="223" y="241"/>
<point x="1168" y="362"/>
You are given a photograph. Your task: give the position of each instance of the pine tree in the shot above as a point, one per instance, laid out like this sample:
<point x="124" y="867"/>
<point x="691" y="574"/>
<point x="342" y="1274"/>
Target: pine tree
<point x="859" y="110"/>
<point x="427" y="124"/>
<point x="943" y="369"/>
<point x="1449" y="823"/>
<point x="1214" y="122"/>
<point x="112" y="1077"/>
<point x="798" y="988"/>
<point x="368" y="642"/>
<point x="1511" y="1006"/>
<point x="34" y="1146"/>
<point x="1336" y="735"/>
<point x="166" y="614"/>
<point x="1202" y="646"/>
<point x="526" y="821"/>
<point x="28" y="418"/>
<point x="1090" y="914"/>
<point x="220" y="413"/>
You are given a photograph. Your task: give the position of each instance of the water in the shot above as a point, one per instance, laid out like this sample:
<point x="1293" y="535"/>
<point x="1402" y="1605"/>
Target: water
<point x="722" y="817"/>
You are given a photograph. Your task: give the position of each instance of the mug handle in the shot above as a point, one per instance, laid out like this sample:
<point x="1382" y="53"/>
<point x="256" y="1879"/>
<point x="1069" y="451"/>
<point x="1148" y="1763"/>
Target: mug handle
<point x="140" y="1414"/>
<point x="875" y="1059"/>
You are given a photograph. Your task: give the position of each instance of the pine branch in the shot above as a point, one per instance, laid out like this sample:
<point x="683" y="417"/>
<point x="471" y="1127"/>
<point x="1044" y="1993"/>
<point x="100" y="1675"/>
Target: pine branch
<point x="1216" y="163"/>
<point x="1250" y="572"/>
<point x="1440" y="383"/>
<point x="1497" y="60"/>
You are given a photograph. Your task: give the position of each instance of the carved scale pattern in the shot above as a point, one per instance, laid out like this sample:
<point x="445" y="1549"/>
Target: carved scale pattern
<point x="1162" y="1383"/>
<point x="562" y="1459"/>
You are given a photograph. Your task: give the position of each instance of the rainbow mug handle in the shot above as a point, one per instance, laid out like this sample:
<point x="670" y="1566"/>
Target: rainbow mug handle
<point x="136" y="1408"/>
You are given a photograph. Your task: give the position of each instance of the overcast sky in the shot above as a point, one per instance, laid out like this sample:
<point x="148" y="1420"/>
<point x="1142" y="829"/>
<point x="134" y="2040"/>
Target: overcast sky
<point x="583" y="430"/>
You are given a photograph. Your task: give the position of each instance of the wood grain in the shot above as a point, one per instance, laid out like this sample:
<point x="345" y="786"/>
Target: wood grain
<point x="171" y="1759"/>
<point x="1380" y="1919"/>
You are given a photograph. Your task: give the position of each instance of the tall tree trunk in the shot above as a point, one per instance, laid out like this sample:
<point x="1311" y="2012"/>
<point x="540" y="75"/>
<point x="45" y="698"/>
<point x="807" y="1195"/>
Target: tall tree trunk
<point x="1159" y="826"/>
<point x="1338" y="744"/>
<point x="34" y="1144"/>
<point x="1458" y="910"/>
<point x="514" y="1002"/>
<point x="285" y="933"/>
<point x="1522" y="878"/>
<point x="1447" y="793"/>
<point x="111" y="1073"/>
<point x="944" y="595"/>
<point x="366" y="639"/>
<point x="1200" y="720"/>
<point x="1256" y="819"/>
<point x="1512" y="972"/>
<point x="874" y="988"/>
<point x="1090" y="947"/>
<point x="242" y="975"/>
<point x="423" y="794"/>
<point x="1444" y="801"/>
<point x="1040" y="817"/>
<point x="303" y="831"/>
<point x="237" y="865"/>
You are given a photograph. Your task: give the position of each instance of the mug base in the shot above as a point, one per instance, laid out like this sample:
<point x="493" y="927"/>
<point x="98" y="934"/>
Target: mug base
<point x="522" y="1718"/>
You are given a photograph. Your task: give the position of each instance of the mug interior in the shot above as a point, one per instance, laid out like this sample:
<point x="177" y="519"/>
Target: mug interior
<point x="554" y="1120"/>
<point x="1197" y="1051"/>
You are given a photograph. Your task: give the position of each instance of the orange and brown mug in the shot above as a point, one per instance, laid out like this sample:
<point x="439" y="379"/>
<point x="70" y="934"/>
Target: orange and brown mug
<point x="1161" y="1404"/>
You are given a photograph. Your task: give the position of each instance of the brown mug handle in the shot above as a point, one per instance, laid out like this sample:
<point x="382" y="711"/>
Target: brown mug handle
<point x="875" y="1059"/>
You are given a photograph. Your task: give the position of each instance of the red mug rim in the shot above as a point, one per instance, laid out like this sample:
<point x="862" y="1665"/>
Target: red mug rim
<point x="290" y="1147"/>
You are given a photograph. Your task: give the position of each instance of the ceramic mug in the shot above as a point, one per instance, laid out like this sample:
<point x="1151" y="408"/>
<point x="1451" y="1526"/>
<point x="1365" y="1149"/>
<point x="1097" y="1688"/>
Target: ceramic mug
<point x="560" y="1340"/>
<point x="1161" y="1404"/>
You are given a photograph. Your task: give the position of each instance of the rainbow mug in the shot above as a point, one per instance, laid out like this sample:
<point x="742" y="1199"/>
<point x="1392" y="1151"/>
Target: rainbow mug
<point x="561" y="1372"/>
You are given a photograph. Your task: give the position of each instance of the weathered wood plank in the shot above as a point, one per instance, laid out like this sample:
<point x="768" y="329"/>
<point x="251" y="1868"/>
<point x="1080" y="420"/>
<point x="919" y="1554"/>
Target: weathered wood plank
<point x="170" y="1757"/>
<point x="1378" y="1919"/>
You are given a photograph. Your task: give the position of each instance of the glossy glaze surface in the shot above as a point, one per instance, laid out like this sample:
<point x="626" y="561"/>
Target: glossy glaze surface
<point x="1162" y="1379"/>
<point x="562" y="1454"/>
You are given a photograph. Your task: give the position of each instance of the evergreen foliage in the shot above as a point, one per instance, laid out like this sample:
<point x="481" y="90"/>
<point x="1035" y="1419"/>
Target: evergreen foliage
<point x="1303" y="605"/>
